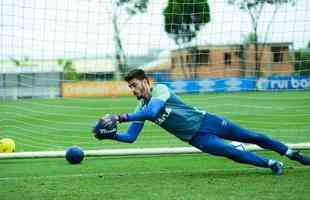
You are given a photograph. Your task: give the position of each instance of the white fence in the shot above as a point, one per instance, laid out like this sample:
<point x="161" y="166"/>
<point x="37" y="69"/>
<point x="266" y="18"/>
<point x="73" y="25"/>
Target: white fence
<point x="30" y="85"/>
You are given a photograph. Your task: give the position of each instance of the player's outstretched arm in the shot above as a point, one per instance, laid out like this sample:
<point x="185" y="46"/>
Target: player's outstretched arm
<point x="132" y="133"/>
<point x="148" y="112"/>
<point x="100" y="132"/>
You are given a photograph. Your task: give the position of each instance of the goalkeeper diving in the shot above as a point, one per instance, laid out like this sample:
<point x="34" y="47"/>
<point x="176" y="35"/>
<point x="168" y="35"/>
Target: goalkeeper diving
<point x="201" y="129"/>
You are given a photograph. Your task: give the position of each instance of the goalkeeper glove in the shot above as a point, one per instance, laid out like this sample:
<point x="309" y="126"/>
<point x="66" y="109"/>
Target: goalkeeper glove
<point x="101" y="132"/>
<point x="110" y="121"/>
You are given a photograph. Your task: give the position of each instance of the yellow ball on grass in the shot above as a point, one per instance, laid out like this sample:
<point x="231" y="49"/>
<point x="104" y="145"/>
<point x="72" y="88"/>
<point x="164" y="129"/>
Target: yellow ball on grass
<point x="7" y="145"/>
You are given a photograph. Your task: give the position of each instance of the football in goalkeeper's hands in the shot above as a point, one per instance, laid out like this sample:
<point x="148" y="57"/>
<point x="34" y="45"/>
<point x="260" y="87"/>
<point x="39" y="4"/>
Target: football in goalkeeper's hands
<point x="101" y="132"/>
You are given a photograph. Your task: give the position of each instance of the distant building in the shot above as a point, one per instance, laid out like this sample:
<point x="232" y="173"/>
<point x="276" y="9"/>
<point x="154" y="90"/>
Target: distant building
<point x="225" y="61"/>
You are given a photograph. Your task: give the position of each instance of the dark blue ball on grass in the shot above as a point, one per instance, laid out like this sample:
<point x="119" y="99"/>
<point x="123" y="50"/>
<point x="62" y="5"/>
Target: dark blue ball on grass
<point x="74" y="155"/>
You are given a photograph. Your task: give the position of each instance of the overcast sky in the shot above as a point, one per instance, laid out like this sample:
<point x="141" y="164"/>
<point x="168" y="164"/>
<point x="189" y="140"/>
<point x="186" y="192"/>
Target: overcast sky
<point x="83" y="28"/>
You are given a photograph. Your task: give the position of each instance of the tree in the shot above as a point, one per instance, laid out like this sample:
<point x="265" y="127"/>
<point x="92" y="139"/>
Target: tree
<point x="255" y="9"/>
<point x="251" y="38"/>
<point x="22" y="62"/>
<point x="69" y="71"/>
<point x="184" y="19"/>
<point x="302" y="61"/>
<point x="132" y="7"/>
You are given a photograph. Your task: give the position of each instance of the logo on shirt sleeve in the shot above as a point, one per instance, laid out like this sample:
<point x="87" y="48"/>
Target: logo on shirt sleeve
<point x="163" y="116"/>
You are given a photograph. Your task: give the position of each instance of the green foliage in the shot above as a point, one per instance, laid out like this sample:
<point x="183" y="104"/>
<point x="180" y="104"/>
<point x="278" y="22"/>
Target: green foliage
<point x="22" y="62"/>
<point x="69" y="70"/>
<point x="302" y="61"/>
<point x="251" y="38"/>
<point x="133" y="6"/>
<point x="254" y="4"/>
<point x="184" y="18"/>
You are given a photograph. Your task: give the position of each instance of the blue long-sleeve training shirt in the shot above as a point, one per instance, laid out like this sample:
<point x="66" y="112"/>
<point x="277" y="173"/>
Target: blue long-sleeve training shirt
<point x="168" y="111"/>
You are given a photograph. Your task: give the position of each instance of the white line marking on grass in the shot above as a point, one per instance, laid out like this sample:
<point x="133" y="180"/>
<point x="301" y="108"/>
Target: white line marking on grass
<point x="119" y="174"/>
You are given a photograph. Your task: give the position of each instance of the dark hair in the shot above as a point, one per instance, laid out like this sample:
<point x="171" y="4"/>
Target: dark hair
<point x="135" y="74"/>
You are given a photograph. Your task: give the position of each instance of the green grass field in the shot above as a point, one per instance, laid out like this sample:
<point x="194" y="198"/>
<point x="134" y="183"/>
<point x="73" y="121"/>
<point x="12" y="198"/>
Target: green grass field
<point x="40" y="125"/>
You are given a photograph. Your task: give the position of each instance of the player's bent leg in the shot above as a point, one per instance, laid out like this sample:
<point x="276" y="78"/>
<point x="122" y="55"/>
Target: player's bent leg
<point x="214" y="145"/>
<point x="226" y="129"/>
<point x="237" y="133"/>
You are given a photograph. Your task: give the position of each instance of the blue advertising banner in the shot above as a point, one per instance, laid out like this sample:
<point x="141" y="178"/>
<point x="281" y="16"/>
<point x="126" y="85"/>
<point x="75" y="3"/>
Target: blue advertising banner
<point x="286" y="82"/>
<point x="233" y="84"/>
<point x="213" y="85"/>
